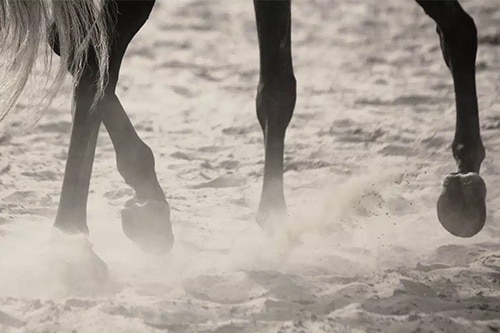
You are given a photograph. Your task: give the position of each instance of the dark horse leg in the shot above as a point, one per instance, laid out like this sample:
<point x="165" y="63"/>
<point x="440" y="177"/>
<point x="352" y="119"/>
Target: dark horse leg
<point x="461" y="206"/>
<point x="146" y="218"/>
<point x="276" y="95"/>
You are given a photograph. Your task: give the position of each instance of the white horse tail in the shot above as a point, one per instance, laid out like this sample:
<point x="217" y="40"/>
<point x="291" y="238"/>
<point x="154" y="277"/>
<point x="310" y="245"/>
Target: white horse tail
<point x="26" y="26"/>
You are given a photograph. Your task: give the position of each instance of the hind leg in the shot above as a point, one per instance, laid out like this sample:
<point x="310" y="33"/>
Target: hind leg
<point x="146" y="218"/>
<point x="276" y="96"/>
<point x="72" y="210"/>
<point x="461" y="206"/>
<point x="72" y="214"/>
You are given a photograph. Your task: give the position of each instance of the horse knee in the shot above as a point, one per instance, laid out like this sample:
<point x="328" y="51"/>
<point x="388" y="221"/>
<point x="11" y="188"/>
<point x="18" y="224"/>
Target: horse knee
<point x="276" y="101"/>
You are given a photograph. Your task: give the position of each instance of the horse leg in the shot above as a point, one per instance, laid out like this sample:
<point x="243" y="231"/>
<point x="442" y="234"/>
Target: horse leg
<point x="71" y="214"/>
<point x="146" y="218"/>
<point x="461" y="206"/>
<point x="275" y="101"/>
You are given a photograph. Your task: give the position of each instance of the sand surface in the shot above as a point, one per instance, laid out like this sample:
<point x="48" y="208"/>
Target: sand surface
<point x="366" y="151"/>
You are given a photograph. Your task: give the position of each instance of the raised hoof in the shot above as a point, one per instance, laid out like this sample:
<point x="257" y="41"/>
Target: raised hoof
<point x="461" y="206"/>
<point x="148" y="225"/>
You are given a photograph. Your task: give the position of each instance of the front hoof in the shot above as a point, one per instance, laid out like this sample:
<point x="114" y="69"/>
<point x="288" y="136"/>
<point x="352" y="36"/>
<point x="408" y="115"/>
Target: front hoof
<point x="461" y="206"/>
<point x="148" y="225"/>
<point x="269" y="218"/>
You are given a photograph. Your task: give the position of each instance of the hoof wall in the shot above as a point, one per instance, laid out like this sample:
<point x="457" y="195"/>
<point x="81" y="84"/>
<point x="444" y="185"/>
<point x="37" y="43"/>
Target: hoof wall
<point x="461" y="206"/>
<point x="148" y="225"/>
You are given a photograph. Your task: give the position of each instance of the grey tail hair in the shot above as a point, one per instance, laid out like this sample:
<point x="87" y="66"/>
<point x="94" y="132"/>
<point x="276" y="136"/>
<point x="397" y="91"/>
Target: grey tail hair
<point x="80" y="27"/>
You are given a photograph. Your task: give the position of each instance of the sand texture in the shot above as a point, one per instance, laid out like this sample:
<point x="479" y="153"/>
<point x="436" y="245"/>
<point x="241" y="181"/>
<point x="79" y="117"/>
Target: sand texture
<point x="366" y="151"/>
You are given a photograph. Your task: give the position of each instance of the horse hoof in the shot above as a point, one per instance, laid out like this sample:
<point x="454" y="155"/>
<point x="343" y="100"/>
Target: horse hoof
<point x="461" y="206"/>
<point x="268" y="219"/>
<point x="99" y="267"/>
<point x="148" y="225"/>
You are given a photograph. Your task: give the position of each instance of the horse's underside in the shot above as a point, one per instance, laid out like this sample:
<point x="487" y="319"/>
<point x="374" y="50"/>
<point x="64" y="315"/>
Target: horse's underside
<point x="145" y="218"/>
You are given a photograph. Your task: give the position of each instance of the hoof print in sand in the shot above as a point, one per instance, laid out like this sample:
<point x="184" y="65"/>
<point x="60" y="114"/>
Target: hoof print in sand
<point x="224" y="289"/>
